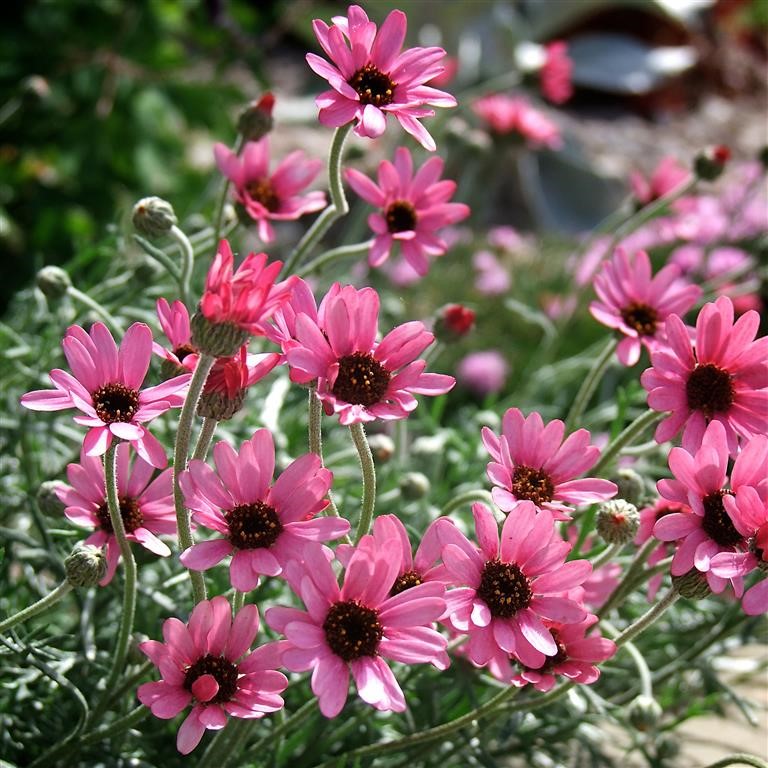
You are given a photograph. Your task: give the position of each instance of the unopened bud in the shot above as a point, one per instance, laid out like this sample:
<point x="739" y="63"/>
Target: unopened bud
<point x="617" y="521"/>
<point x="382" y="447"/>
<point x="414" y="485"/>
<point x="53" y="282"/>
<point x="631" y="486"/>
<point x="692" y="585"/>
<point x="709" y="164"/>
<point x="255" y="121"/>
<point x="86" y="566"/>
<point x="644" y="713"/>
<point x="453" y="322"/>
<point x="48" y="499"/>
<point x="219" y="405"/>
<point x="153" y="217"/>
<point x="217" y="339"/>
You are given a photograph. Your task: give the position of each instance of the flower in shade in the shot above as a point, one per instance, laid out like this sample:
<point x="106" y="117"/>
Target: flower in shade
<point x="174" y="320"/>
<point x="556" y="73"/>
<point x="722" y="377"/>
<point x="484" y="372"/>
<point x="357" y="377"/>
<point x="506" y="115"/>
<point x="356" y="627"/>
<point x="208" y="663"/>
<point x="106" y="388"/>
<point x="269" y="196"/>
<point x="370" y="77"/>
<point x="532" y="463"/>
<point x="265" y="526"/>
<point x="636" y="303"/>
<point x="668" y="175"/>
<point x="413" y="207"/>
<point x="508" y="587"/>
<point x="146" y="505"/>
<point x="701" y="482"/>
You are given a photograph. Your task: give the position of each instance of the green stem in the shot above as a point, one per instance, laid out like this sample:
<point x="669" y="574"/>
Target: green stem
<point x="187" y="261"/>
<point x="238" y="601"/>
<point x="298" y="717"/>
<point x="646" y="685"/>
<point x="590" y="383"/>
<point x="620" y="590"/>
<point x="328" y="257"/>
<point x="741" y="758"/>
<point x="368" y="470"/>
<point x="626" y="437"/>
<point x="180" y="454"/>
<point x="159" y="255"/>
<point x="115" y="325"/>
<point x="648" y="618"/>
<point x="337" y="208"/>
<point x="45" y="602"/>
<point x="607" y="554"/>
<point x="226" y="745"/>
<point x="218" y="219"/>
<point x="477" y="494"/>
<point x="204" y="438"/>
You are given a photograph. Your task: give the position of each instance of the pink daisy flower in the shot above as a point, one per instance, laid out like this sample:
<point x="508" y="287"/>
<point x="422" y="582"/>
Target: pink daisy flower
<point x="174" y="320"/>
<point x="722" y="377"/>
<point x="208" y="663"/>
<point x="370" y="77"/>
<point x="506" y="115"/>
<point x="701" y="482"/>
<point x="532" y="463"/>
<point x="669" y="175"/>
<point x="269" y="196"/>
<point x="484" y="372"/>
<point x="357" y="377"/>
<point x="106" y="388"/>
<point x="265" y="526"/>
<point x="413" y="208"/>
<point x="281" y="327"/>
<point x="556" y="73"/>
<point x="356" y="627"/>
<point x="509" y="587"/>
<point x="146" y="505"/>
<point x="636" y="303"/>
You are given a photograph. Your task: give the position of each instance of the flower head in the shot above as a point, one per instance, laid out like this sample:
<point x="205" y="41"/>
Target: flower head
<point x="484" y="372"/>
<point x="514" y="115"/>
<point x="208" y="663"/>
<point x="174" y="320"/>
<point x="669" y="175"/>
<point x="556" y="73"/>
<point x="106" y="388"/>
<point x="649" y="516"/>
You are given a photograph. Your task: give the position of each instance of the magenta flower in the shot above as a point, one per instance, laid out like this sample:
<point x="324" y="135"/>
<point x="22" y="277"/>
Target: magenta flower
<point x="357" y="377"/>
<point x="106" y="388"/>
<point x="669" y="175"/>
<point x="174" y="320"/>
<point x="636" y="304"/>
<point x="492" y="278"/>
<point x="556" y="73"/>
<point x="145" y="507"/>
<point x="208" y="663"/>
<point x="484" y="372"/>
<point x="723" y="377"/>
<point x="231" y="376"/>
<point x="413" y="208"/>
<point x="509" y="587"/>
<point x="370" y="77"/>
<point x="266" y="526"/>
<point x="281" y="327"/>
<point x="532" y="463"/>
<point x="506" y="115"/>
<point x="356" y="627"/>
<point x="270" y="197"/>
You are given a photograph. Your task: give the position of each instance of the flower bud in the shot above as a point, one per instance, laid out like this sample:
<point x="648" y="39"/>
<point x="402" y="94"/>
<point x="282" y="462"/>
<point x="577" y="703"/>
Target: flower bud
<point x="617" y="521"/>
<point x="667" y="747"/>
<point x="217" y="339"/>
<point x="709" y="164"/>
<point x="255" y="121"/>
<point x="53" y="282"/>
<point x="414" y="485"/>
<point x="153" y="217"/>
<point x="86" y="566"/>
<point x="644" y="713"/>
<point x="453" y="322"/>
<point x="48" y="500"/>
<point x="382" y="447"/>
<point x="631" y="486"/>
<point x="692" y="585"/>
<point x="219" y="405"/>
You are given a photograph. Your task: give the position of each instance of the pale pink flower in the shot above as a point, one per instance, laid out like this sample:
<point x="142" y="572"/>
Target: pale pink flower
<point x="556" y="73"/>
<point x="269" y="196"/>
<point x="265" y="526"/>
<point x="492" y="278"/>
<point x="370" y="77"/>
<point x="636" y="303"/>
<point x="356" y="627"/>
<point x="413" y="207"/>
<point x="106" y="388"/>
<point x="174" y="320"/>
<point x="208" y="663"/>
<point x="508" y="587"/>
<point x="357" y="377"/>
<point x="146" y="505"/>
<point x="668" y="175"/>
<point x="723" y="377"/>
<point x="484" y="372"/>
<point x="514" y="115"/>
<point x="532" y="463"/>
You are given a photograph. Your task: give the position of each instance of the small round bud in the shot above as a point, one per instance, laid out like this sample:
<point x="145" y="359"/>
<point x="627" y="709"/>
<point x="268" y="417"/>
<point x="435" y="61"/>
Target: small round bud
<point x="453" y="322"/>
<point x="217" y="339"/>
<point x="255" y="121"/>
<point x="219" y="405"/>
<point x="86" y="565"/>
<point x="709" y="164"/>
<point x="631" y="486"/>
<point x="382" y="447"/>
<point x="692" y="585"/>
<point x="617" y="521"/>
<point x="53" y="282"/>
<point x="153" y="217"/>
<point x="48" y="500"/>
<point x="644" y="713"/>
<point x="414" y="485"/>
<point x="667" y="746"/>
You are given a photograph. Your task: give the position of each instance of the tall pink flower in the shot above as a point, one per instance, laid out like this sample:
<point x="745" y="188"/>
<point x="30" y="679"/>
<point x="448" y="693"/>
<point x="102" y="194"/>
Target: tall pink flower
<point x="413" y="208"/>
<point x="357" y="377"/>
<point x="356" y="627"/>
<point x="556" y="73"/>
<point x="532" y="463"/>
<point x="636" y="303"/>
<point x="265" y="526"/>
<point x="371" y="77"/>
<point x="722" y="377"/>
<point x="146" y="505"/>
<point x="269" y="196"/>
<point x="106" y="388"/>
<point x="508" y="587"/>
<point x="506" y="115"/>
<point x="668" y="175"/>
<point x="208" y="663"/>
<point x="174" y="320"/>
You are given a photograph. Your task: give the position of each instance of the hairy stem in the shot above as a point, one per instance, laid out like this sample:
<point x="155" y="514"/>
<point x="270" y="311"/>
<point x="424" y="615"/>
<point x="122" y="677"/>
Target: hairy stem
<point x="626" y="437"/>
<point x="476" y="494"/>
<point x="648" y="618"/>
<point x="204" y="438"/>
<point x="634" y="567"/>
<point x="114" y="324"/>
<point x="334" y="254"/>
<point x="187" y="261"/>
<point x="368" y="470"/>
<point x="42" y="604"/>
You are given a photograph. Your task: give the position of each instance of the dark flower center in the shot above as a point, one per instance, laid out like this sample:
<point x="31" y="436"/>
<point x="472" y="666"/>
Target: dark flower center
<point x="362" y="380"/>
<point x="401" y="216"/>
<point x="641" y="317"/>
<point x="709" y="389"/>
<point x="559" y="658"/>
<point x="373" y="86"/>
<point x="262" y="192"/>
<point x="129" y="511"/>
<point x="352" y="630"/>
<point x="184" y="350"/>
<point x="504" y="588"/>
<point x="253" y="526"/>
<point x="115" y="402"/>
<point x="406" y="581"/>
<point x="717" y="524"/>
<point x="532" y="484"/>
<point x="224" y="671"/>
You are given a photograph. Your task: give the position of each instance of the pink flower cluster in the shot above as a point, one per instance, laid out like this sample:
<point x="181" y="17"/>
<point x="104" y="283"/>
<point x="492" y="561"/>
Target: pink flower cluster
<point x="513" y="115"/>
